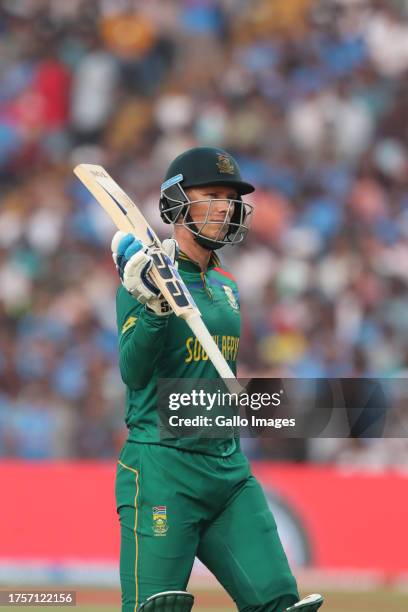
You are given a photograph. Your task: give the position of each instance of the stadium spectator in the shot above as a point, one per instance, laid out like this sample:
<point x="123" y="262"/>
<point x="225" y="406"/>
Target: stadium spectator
<point x="311" y="98"/>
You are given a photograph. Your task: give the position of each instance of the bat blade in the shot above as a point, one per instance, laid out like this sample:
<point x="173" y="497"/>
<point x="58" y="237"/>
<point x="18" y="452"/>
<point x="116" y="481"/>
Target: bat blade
<point x="122" y="210"/>
<point x="127" y="217"/>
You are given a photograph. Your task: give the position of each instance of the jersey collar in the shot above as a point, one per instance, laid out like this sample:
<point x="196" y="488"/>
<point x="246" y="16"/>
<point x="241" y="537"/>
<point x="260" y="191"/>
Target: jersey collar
<point x="189" y="265"/>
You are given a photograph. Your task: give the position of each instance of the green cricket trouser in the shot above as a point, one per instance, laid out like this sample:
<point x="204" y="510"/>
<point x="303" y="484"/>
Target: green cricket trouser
<point x="174" y="505"/>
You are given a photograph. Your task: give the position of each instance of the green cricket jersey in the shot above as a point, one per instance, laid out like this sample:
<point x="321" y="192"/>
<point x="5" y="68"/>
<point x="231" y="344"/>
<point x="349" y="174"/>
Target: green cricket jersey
<point x="153" y="347"/>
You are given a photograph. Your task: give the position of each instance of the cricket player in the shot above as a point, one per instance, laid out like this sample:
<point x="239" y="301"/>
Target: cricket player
<point x="198" y="497"/>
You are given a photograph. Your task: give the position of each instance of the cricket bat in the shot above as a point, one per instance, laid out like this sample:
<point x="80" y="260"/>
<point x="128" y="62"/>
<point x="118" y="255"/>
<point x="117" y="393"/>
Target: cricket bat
<point x="127" y="217"/>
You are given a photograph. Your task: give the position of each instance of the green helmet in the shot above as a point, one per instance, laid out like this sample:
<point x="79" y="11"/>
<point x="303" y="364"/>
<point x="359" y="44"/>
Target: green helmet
<point x="208" y="166"/>
<point x="199" y="167"/>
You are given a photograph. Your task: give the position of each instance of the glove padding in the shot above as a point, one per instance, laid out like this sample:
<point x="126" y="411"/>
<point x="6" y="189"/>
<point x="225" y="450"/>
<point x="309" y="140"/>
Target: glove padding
<point x="133" y="262"/>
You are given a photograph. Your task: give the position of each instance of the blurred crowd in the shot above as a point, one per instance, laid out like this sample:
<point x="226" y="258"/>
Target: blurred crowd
<point x="310" y="96"/>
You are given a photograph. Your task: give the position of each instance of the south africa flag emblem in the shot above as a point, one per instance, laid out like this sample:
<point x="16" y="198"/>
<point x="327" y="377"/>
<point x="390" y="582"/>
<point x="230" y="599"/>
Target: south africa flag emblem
<point x="160" y="525"/>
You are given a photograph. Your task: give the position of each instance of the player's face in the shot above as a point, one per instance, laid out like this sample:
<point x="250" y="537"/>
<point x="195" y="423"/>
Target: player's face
<point x="211" y="209"/>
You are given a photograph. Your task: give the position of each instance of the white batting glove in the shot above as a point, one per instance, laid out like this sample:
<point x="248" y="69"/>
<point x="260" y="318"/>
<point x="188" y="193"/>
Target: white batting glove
<point x="133" y="262"/>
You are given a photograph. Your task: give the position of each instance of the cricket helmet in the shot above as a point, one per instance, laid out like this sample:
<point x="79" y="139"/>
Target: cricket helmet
<point x="199" y="167"/>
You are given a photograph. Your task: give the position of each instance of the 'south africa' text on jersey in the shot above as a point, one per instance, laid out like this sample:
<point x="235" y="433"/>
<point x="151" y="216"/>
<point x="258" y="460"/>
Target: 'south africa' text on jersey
<point x="228" y="346"/>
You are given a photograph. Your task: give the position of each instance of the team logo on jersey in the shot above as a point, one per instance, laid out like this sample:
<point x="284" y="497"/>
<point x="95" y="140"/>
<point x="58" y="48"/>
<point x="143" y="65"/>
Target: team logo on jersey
<point x="231" y="297"/>
<point x="225" y="164"/>
<point x="160" y="525"/>
<point x="130" y="322"/>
